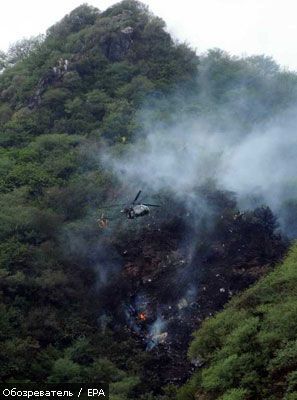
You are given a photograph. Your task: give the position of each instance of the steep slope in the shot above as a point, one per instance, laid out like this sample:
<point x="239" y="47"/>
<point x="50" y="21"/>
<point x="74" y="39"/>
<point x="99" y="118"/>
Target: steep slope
<point x="248" y="351"/>
<point x="174" y="275"/>
<point x="83" y="82"/>
<point x="72" y="294"/>
<point x="91" y="73"/>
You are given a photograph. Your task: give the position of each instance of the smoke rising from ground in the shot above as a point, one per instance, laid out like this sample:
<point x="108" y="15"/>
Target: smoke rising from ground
<point x="258" y="166"/>
<point x="177" y="161"/>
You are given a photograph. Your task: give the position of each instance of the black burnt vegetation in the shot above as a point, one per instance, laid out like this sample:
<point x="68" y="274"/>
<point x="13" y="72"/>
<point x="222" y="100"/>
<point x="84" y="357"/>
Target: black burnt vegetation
<point x="79" y="303"/>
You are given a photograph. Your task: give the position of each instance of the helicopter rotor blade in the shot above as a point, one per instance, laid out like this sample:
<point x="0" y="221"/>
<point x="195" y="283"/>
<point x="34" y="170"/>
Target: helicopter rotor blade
<point x="138" y="194"/>
<point x="150" y="205"/>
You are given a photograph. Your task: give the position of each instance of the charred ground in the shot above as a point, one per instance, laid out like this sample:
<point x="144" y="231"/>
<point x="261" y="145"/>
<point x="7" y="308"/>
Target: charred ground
<point x="78" y="303"/>
<point x="177" y="273"/>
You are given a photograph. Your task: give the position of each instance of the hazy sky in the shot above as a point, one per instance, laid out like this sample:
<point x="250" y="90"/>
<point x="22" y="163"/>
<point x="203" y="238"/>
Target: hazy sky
<point x="238" y="26"/>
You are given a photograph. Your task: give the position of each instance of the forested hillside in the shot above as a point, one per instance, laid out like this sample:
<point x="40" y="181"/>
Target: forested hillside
<point x="249" y="349"/>
<point x="106" y="104"/>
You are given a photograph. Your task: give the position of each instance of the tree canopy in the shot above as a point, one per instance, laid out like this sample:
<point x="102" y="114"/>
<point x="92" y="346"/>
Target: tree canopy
<point x="66" y="96"/>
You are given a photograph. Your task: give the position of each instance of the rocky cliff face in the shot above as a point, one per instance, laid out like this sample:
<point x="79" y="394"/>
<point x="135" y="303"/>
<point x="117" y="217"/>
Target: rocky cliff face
<point x="116" y="46"/>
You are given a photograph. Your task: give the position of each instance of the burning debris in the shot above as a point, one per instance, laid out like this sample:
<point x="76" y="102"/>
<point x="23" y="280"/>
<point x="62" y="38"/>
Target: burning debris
<point x="156" y="333"/>
<point x="155" y="340"/>
<point x="142" y="316"/>
<point x="169" y="284"/>
<point x="182" y="304"/>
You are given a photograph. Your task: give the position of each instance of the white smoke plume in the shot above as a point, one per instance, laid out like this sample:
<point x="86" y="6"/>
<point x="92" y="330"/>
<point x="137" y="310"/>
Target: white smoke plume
<point x="259" y="166"/>
<point x="157" y="333"/>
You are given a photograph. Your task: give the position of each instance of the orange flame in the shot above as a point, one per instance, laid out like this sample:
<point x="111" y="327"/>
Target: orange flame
<point x="142" y="316"/>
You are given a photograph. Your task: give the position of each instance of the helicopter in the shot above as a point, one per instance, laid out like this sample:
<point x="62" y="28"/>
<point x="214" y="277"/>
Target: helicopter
<point x="132" y="210"/>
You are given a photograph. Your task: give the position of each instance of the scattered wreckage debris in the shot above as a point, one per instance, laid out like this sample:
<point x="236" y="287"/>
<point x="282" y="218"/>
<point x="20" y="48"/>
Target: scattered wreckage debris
<point x="170" y="280"/>
<point x="155" y="340"/>
<point x="102" y="221"/>
<point x="142" y="316"/>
